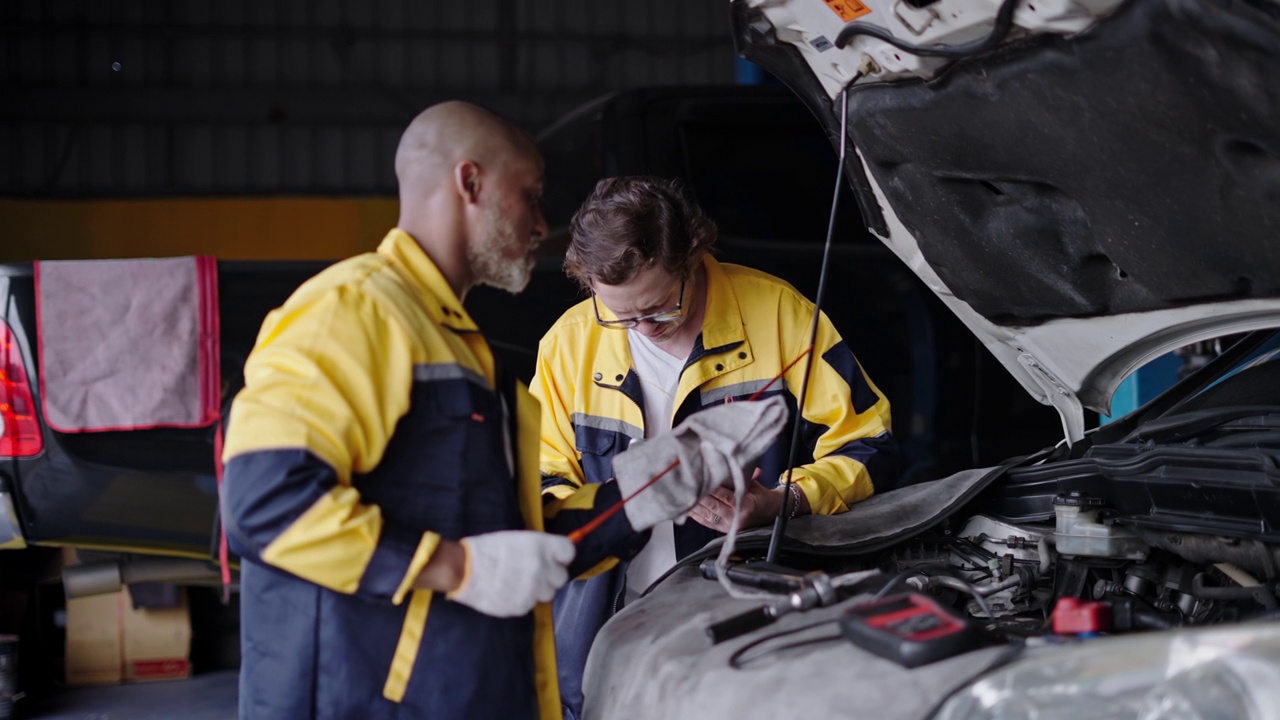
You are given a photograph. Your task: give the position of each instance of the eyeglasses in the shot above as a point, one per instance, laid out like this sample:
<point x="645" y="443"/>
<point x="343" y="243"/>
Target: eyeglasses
<point x="665" y="316"/>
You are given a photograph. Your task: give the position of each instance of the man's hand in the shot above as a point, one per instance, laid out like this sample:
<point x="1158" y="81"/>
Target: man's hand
<point x="509" y="572"/>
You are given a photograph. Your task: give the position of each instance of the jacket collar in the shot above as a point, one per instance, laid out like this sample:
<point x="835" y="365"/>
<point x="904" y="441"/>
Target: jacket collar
<point x="722" y="323"/>
<point x="421" y="272"/>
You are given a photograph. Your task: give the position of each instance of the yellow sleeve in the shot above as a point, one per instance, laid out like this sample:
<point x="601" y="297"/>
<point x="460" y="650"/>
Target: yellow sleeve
<point x="324" y="387"/>
<point x="569" y="502"/>
<point x="847" y="421"/>
<point x="558" y="455"/>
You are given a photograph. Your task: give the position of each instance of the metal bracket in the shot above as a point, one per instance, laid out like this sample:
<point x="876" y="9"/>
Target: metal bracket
<point x="1062" y="398"/>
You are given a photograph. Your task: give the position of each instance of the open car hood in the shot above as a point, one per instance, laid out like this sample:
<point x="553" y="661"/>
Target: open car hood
<point x="1092" y="184"/>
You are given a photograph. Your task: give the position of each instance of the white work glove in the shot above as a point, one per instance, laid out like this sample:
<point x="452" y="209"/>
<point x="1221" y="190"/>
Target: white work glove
<point x="709" y="445"/>
<point x="509" y="572"/>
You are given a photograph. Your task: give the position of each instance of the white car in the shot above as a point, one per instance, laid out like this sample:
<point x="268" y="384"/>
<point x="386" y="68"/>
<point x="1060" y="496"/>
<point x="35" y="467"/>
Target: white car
<point x="1088" y="185"/>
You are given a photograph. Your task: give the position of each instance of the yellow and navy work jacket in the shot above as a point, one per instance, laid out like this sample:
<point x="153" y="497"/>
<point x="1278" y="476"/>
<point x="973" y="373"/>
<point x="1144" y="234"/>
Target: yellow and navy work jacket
<point x="754" y="326"/>
<point x="372" y="425"/>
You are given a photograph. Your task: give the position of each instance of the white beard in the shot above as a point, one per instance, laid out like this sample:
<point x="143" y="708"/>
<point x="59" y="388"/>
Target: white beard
<point x="488" y="265"/>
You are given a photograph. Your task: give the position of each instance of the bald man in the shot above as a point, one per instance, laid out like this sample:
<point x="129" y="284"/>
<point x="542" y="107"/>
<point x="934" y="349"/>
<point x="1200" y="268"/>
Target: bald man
<point x="381" y="478"/>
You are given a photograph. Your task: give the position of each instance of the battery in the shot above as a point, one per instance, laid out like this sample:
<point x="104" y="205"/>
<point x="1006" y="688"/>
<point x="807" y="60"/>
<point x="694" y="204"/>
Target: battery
<point x="910" y="629"/>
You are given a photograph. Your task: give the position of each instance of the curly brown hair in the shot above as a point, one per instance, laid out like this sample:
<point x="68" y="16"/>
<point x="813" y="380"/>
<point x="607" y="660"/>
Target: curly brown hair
<point x="631" y="223"/>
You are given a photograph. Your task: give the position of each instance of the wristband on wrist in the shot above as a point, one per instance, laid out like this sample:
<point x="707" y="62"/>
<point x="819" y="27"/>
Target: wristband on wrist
<point x="795" y="495"/>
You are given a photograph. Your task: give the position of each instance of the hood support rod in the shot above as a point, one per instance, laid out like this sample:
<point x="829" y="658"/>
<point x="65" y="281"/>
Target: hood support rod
<point x="780" y="522"/>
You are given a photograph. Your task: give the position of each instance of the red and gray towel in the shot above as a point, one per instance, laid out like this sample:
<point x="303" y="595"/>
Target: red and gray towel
<point x="128" y="344"/>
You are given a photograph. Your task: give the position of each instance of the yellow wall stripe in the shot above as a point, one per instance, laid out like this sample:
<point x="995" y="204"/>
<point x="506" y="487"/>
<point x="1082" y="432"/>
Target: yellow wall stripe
<point x="229" y="228"/>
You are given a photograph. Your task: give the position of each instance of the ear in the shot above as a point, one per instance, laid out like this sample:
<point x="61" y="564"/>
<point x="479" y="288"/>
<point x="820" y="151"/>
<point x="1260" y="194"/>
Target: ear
<point x="466" y="180"/>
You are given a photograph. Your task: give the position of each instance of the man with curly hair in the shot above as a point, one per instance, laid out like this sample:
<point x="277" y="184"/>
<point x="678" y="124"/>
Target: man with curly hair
<point x="668" y="332"/>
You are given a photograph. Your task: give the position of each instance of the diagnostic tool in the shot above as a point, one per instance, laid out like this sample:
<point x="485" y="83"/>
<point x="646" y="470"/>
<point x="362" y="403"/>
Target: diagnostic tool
<point x="910" y="629"/>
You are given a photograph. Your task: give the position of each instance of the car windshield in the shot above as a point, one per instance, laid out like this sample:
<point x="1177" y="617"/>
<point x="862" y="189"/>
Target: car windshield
<point x="1256" y="376"/>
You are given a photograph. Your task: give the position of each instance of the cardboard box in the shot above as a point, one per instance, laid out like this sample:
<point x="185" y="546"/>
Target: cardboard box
<point x="108" y="641"/>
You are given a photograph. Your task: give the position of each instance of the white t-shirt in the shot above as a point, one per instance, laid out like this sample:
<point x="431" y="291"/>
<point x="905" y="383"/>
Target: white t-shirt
<point x="659" y="373"/>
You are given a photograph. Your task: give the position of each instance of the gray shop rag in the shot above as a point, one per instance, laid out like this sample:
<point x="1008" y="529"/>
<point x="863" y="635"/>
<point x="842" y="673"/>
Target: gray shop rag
<point x="714" y="447"/>
<point x="128" y="344"/>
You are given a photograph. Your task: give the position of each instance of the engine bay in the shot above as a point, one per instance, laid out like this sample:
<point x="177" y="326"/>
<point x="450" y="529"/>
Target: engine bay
<point x="1172" y="525"/>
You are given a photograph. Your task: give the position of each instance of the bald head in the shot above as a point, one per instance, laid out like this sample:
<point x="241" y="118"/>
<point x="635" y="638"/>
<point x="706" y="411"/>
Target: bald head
<point x="451" y="132"/>
<point x="470" y="184"/>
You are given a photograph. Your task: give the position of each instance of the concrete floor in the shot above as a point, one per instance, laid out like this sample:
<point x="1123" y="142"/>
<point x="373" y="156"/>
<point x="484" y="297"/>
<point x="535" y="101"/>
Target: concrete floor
<point x="211" y="696"/>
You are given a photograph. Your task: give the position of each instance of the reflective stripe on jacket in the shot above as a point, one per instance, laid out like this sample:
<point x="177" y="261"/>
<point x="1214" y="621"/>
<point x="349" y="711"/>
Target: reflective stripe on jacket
<point x="371" y="426"/>
<point x="754" y="326"/>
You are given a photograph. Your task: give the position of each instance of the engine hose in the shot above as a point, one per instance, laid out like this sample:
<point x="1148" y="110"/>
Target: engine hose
<point x="979" y="593"/>
<point x="1257" y="558"/>
<point x="1153" y="620"/>
<point x="1258" y="593"/>
<point x="983" y="590"/>
<point x="1042" y="551"/>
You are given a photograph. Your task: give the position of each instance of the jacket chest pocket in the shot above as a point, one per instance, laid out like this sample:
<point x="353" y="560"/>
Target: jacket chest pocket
<point x="596" y="450"/>
<point x="446" y="466"/>
<point x="464" y="421"/>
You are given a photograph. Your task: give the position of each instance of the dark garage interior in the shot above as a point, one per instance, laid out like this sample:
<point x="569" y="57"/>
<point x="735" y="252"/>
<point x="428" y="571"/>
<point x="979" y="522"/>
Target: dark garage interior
<point x="263" y="136"/>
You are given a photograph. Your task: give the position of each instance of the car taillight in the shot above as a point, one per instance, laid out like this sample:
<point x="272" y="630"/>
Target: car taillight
<point x="20" y="433"/>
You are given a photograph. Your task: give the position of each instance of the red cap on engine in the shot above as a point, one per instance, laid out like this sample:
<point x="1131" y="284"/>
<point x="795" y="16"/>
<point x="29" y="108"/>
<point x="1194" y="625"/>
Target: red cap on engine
<point x="1072" y="616"/>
